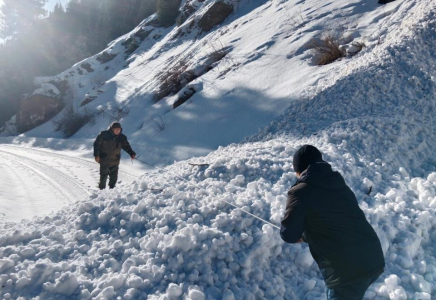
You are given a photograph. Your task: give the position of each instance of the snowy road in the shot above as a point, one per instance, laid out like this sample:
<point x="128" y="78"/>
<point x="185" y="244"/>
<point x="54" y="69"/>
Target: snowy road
<point x="35" y="182"/>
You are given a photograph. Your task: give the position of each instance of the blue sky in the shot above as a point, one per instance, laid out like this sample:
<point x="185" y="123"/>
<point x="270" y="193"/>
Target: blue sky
<point x="50" y="3"/>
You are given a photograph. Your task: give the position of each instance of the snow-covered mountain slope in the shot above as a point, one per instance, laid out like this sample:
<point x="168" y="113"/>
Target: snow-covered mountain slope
<point x="244" y="73"/>
<point x="166" y="238"/>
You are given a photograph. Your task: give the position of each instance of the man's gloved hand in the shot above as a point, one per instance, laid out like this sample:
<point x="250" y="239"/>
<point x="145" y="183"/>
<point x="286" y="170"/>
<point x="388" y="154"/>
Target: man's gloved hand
<point x="97" y="159"/>
<point x="133" y="156"/>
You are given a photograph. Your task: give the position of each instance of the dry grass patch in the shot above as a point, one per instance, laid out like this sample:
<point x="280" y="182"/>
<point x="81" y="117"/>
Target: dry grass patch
<point x="356" y="47"/>
<point x="174" y="79"/>
<point x="327" y="49"/>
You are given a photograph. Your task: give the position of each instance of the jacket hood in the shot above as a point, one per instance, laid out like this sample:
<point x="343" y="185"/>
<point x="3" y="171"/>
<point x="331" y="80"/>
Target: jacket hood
<point x="322" y="175"/>
<point x="110" y="128"/>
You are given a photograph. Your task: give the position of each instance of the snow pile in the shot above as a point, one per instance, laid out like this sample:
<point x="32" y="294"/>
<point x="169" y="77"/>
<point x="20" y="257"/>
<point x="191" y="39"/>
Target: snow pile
<point x="136" y="242"/>
<point x="139" y="243"/>
<point x="164" y="238"/>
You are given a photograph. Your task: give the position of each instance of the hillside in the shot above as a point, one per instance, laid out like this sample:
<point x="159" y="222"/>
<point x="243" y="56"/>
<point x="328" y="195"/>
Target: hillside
<point x="242" y="73"/>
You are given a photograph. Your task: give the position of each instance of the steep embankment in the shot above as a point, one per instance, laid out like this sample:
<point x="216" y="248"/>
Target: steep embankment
<point x="164" y="238"/>
<point x="235" y="77"/>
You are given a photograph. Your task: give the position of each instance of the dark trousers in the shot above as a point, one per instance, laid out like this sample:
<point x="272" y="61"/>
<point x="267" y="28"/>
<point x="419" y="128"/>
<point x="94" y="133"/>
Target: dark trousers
<point x="355" y="291"/>
<point x="105" y="171"/>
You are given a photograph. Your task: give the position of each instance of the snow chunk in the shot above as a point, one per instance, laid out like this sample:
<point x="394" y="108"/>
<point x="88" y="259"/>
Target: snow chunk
<point x="304" y="258"/>
<point x="422" y="296"/>
<point x="6" y="264"/>
<point x="174" y="290"/>
<point x="228" y="295"/>
<point x="135" y="282"/>
<point x="195" y="294"/>
<point x="238" y="180"/>
<point x="309" y="284"/>
<point x="420" y="284"/>
<point x="27" y="252"/>
<point x="66" y="284"/>
<point x="182" y="242"/>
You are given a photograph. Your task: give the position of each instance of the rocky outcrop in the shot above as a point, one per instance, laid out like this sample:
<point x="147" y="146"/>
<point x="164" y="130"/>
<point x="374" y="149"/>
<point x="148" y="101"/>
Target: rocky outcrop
<point x="385" y="1"/>
<point x="131" y="44"/>
<point x="105" y="57"/>
<point x="36" y="110"/>
<point x="185" y="12"/>
<point x="62" y="86"/>
<point x="88" y="100"/>
<point x="215" y="15"/>
<point x="185" y="96"/>
<point x="142" y="34"/>
<point x="87" y="67"/>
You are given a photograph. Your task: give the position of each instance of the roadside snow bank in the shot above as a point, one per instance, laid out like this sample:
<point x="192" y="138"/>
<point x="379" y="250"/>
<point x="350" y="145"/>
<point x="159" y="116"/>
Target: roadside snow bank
<point x="137" y="242"/>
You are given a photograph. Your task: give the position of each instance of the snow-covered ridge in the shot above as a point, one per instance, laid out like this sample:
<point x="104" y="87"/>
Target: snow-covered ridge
<point x="161" y="238"/>
<point x="388" y="91"/>
<point x="244" y="71"/>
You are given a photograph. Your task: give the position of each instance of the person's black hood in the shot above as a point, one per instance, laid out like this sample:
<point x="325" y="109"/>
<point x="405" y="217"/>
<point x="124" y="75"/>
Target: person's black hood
<point x="112" y="125"/>
<point x="322" y="175"/>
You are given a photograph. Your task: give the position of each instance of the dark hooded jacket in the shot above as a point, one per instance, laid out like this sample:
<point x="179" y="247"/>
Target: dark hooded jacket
<point x="323" y="211"/>
<point x="108" y="147"/>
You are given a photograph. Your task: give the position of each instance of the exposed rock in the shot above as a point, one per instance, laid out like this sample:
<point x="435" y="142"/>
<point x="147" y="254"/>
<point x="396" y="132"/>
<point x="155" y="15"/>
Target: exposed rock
<point x="173" y="80"/>
<point x="184" y="97"/>
<point x="47" y="89"/>
<point x="105" y="57"/>
<point x="215" y="15"/>
<point x="88" y="100"/>
<point x="37" y="110"/>
<point x="71" y="121"/>
<point x="87" y="67"/>
<point x="185" y="13"/>
<point x="142" y="34"/>
<point x="62" y="86"/>
<point x="154" y="23"/>
<point x="126" y="42"/>
<point x="131" y="44"/>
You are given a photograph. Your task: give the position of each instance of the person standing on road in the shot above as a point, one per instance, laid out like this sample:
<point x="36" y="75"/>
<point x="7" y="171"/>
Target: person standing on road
<point x="323" y="212"/>
<point x="107" y="152"/>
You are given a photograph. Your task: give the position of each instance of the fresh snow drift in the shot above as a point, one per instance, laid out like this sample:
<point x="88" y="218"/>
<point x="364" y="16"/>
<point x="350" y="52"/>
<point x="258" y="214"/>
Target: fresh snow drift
<point x="374" y="120"/>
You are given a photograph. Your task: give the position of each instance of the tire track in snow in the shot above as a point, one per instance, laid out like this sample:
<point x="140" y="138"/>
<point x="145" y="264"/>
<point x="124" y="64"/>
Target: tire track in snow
<point x="78" y="160"/>
<point x="16" y="194"/>
<point x="67" y="186"/>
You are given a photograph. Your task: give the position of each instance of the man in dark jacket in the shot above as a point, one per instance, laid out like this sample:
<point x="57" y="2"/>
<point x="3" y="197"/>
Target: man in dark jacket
<point x="323" y="212"/>
<point x="107" y="152"/>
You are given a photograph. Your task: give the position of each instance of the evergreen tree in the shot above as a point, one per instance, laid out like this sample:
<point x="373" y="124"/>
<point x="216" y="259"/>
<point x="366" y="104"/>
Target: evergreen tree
<point x="144" y="9"/>
<point x="167" y="11"/>
<point x="40" y="44"/>
<point x="19" y="16"/>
